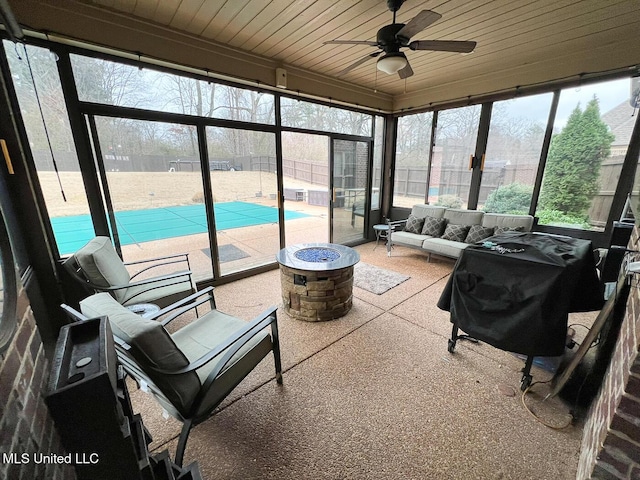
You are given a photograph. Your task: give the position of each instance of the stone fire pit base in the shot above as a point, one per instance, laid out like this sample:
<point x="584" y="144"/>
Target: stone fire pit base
<point x="315" y="296"/>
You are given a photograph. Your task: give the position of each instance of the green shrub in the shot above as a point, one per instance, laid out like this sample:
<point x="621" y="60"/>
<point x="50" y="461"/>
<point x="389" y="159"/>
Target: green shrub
<point x="449" y="201"/>
<point x="558" y="218"/>
<point x="513" y="198"/>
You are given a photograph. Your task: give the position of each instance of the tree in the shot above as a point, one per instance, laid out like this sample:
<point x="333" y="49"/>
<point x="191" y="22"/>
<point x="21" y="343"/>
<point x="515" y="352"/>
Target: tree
<point x="573" y="163"/>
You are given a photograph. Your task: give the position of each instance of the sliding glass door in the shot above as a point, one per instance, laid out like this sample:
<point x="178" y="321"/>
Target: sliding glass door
<point x="350" y="199"/>
<point x="244" y="185"/>
<point x="306" y="189"/>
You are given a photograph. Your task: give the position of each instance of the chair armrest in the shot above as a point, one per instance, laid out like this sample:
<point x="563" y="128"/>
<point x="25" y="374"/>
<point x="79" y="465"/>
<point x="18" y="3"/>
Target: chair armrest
<point x="161" y="262"/>
<point x="149" y="281"/>
<point x="167" y="257"/>
<point x="184" y="305"/>
<point x="396" y="223"/>
<point x="73" y="314"/>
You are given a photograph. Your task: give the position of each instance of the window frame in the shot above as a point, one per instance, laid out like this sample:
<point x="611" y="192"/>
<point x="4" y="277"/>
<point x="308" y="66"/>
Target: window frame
<point x="9" y="288"/>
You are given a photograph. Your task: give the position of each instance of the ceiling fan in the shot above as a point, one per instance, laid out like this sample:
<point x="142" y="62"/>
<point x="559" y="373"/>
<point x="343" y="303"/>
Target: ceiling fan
<point x="391" y="38"/>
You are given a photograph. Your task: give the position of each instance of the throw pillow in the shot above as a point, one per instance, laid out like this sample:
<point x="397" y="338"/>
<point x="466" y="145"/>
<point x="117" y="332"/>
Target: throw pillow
<point x="455" y="233"/>
<point x="433" y="226"/>
<point x="414" y="224"/>
<point x="500" y="230"/>
<point x="478" y="233"/>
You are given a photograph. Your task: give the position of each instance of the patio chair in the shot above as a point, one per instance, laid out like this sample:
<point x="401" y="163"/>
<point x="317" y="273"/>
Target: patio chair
<point x="191" y="371"/>
<point x="99" y="268"/>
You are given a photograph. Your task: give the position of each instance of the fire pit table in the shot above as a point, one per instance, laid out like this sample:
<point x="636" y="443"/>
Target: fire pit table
<point x="317" y="280"/>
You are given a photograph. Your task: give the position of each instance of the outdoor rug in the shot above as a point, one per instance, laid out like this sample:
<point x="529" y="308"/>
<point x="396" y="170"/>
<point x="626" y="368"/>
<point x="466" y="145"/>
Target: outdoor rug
<point x="227" y="253"/>
<point x="376" y="280"/>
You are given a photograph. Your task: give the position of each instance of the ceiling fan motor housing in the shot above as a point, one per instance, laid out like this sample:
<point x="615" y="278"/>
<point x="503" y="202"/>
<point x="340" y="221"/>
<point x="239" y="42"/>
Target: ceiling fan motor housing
<point x="387" y="39"/>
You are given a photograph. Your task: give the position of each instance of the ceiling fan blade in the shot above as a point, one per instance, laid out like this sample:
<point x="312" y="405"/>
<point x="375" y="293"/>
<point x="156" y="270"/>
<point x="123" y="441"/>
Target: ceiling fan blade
<point x="358" y="63"/>
<point x="418" y="23"/>
<point x="351" y="42"/>
<point x="443" y="45"/>
<point x="406" y="72"/>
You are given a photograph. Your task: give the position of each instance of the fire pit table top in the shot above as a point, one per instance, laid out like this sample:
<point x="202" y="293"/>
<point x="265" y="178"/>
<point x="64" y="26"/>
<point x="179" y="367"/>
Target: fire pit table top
<point x="318" y="256"/>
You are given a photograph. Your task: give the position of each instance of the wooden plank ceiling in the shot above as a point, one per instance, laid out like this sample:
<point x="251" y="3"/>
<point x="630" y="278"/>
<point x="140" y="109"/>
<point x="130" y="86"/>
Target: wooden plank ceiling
<point x="510" y="34"/>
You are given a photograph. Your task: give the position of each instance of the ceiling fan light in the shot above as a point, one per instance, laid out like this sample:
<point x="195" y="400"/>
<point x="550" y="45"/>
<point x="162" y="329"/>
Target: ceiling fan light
<point x="392" y="62"/>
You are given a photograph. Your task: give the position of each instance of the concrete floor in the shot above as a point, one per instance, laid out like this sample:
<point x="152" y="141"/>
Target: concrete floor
<point x="376" y="395"/>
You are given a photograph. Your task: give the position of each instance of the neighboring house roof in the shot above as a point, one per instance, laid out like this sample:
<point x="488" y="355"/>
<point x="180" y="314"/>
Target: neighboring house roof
<point x="621" y="120"/>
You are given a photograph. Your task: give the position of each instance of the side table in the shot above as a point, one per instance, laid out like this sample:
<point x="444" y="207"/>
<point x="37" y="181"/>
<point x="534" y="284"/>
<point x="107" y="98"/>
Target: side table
<point x="383" y="231"/>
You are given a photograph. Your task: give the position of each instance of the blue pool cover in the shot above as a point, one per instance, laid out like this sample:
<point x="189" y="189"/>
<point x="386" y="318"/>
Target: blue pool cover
<point x="137" y="226"/>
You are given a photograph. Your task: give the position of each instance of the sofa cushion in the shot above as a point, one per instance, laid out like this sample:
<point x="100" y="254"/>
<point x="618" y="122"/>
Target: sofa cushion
<point x="422" y="210"/>
<point x="446" y="248"/>
<point x="460" y="216"/>
<point x="414" y="224"/>
<point x="408" y="238"/>
<point x="455" y="233"/>
<point x="433" y="226"/>
<point x="478" y="233"/>
<point x="507" y="220"/>
<point x="500" y="230"/>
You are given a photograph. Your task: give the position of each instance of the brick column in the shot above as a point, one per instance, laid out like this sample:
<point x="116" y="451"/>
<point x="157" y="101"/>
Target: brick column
<point x="611" y="438"/>
<point x="25" y="425"/>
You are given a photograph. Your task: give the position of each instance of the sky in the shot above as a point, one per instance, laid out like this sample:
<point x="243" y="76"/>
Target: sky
<point x="536" y="107"/>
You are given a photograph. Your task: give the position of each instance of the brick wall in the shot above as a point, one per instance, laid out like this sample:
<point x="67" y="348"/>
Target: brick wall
<point x="25" y="424"/>
<point x="611" y="438"/>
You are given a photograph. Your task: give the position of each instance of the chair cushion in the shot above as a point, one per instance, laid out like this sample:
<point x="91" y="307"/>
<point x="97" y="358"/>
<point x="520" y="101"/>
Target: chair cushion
<point x="152" y="346"/>
<point x="162" y="292"/>
<point x="455" y="233"/>
<point x="414" y="224"/>
<point x="433" y="226"/>
<point x="200" y="337"/>
<point x="102" y="265"/>
<point x="478" y="233"/>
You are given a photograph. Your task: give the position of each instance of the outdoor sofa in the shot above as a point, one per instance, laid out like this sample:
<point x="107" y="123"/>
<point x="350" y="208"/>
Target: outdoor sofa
<point x="447" y="231"/>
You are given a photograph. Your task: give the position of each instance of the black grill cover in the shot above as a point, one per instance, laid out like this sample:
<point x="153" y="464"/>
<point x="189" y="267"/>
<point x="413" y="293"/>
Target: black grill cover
<point x="520" y="301"/>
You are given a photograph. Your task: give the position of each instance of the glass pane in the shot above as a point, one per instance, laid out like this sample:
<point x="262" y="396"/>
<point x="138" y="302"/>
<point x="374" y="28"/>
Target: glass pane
<point x="378" y="152"/>
<point x="154" y="178"/>
<point x="456" y="136"/>
<point x="244" y="184"/>
<point x="350" y="166"/>
<point x="591" y="135"/>
<point x="412" y="157"/>
<point x="114" y="83"/>
<point x="69" y="236"/>
<point x="513" y="151"/>
<point x="305" y="166"/>
<point x="313" y="116"/>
